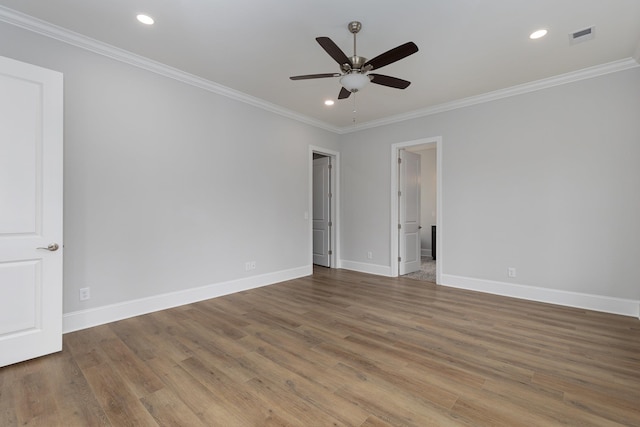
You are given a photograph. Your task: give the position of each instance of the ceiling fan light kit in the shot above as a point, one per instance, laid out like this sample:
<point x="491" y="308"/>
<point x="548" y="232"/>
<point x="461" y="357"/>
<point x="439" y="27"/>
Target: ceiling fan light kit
<point x="356" y="70"/>
<point x="354" y="82"/>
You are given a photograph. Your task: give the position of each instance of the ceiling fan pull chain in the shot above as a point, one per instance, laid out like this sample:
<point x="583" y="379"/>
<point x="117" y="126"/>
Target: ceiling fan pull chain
<point x="354" y="109"/>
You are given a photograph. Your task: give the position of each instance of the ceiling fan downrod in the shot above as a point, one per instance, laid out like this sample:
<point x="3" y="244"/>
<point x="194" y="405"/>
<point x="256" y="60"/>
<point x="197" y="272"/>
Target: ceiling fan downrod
<point x="354" y="28"/>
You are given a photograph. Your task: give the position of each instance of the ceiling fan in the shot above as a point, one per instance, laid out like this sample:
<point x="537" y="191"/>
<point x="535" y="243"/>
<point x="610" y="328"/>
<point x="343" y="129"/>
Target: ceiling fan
<point x="356" y="70"/>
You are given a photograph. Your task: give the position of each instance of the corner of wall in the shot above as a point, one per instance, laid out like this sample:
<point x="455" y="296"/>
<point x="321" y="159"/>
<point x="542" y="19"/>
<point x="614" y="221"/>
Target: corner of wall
<point x="363" y="267"/>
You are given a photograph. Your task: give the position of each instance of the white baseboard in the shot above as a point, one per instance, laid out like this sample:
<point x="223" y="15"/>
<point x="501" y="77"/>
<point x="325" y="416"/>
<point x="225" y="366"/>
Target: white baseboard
<point x="425" y="252"/>
<point x="100" y="315"/>
<point x="625" y="307"/>
<point x="363" y="267"/>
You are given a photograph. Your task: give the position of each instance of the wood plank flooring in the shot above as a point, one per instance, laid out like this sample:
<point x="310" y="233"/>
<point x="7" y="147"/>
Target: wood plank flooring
<point x="339" y="348"/>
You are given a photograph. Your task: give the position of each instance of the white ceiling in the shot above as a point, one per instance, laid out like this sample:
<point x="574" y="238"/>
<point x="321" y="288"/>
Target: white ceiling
<point x="467" y="47"/>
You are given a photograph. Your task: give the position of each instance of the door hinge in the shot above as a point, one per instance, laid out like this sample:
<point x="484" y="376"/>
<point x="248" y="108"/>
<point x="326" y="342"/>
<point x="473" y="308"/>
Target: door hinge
<point x="399" y="160"/>
<point x="330" y="223"/>
<point x="399" y="193"/>
<point x="330" y="252"/>
<point x="330" y="195"/>
<point x="399" y="226"/>
<point x="330" y="166"/>
<point x="399" y="259"/>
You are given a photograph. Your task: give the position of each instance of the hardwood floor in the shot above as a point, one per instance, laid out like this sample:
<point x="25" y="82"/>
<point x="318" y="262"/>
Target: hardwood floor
<point x="339" y="348"/>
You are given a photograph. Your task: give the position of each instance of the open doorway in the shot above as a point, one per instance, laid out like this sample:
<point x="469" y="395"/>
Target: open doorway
<point x="323" y="206"/>
<point x="426" y="270"/>
<point x="430" y="209"/>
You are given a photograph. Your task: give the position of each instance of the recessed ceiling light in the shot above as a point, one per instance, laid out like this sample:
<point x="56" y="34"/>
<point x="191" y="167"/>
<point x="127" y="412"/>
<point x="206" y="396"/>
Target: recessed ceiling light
<point x="145" y="19"/>
<point x="537" y="34"/>
<point x="329" y="102"/>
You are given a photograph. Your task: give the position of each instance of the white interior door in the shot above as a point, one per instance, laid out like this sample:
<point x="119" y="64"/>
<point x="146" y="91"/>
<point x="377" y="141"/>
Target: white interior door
<point x="31" y="120"/>
<point x="409" y="212"/>
<point x="322" y="211"/>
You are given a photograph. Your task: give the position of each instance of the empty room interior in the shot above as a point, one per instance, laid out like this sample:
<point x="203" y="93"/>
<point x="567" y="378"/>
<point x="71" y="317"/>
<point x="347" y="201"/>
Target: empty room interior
<point x="420" y="213"/>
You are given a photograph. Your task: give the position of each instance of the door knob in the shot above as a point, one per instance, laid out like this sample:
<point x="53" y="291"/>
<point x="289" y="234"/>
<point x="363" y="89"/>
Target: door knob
<point x="52" y="247"/>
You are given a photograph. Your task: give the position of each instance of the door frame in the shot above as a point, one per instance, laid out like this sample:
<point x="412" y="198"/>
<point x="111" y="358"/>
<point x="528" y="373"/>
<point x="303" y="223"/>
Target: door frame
<point x="394" y="250"/>
<point x="334" y="258"/>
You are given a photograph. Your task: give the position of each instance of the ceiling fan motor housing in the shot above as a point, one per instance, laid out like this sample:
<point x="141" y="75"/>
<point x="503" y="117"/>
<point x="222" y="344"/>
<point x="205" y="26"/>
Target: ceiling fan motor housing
<point x="357" y="63"/>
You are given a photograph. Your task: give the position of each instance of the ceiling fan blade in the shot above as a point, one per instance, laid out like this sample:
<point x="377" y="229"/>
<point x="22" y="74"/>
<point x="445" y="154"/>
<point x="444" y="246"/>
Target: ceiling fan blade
<point x="314" y="76"/>
<point x="391" y="56"/>
<point x="334" y="51"/>
<point x="389" y="81"/>
<point x="344" y="93"/>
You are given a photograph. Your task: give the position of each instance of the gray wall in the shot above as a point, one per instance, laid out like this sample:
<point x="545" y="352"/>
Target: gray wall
<point x="546" y="182"/>
<point x="167" y="186"/>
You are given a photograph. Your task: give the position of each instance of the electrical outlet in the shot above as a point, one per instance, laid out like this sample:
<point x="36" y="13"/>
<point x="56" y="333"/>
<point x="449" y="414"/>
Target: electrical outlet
<point x="511" y="272"/>
<point x="249" y="265"/>
<point x="85" y="294"/>
<point x="253" y="265"/>
<point x="369" y="255"/>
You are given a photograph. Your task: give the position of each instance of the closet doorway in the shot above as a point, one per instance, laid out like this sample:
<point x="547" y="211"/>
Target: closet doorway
<point x="428" y="211"/>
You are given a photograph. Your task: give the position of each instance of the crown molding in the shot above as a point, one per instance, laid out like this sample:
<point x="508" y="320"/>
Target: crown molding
<point x="47" y="29"/>
<point x="574" y="76"/>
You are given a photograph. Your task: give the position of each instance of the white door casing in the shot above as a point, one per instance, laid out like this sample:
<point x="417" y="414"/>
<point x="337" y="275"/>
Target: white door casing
<point x="437" y="142"/>
<point x="321" y="214"/>
<point x="31" y="164"/>
<point x="409" y="212"/>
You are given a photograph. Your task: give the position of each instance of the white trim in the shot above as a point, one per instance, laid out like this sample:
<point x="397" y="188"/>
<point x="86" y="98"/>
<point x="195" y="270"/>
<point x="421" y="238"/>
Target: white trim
<point x="47" y="29"/>
<point x="363" y="267"/>
<point x="625" y="307"/>
<point x="335" y="202"/>
<point x="437" y="140"/>
<point x="574" y="76"/>
<point x="98" y="316"/>
<point x="75" y="39"/>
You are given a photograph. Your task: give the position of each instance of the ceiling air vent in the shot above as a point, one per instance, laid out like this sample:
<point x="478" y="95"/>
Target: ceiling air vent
<point x="582" y="35"/>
